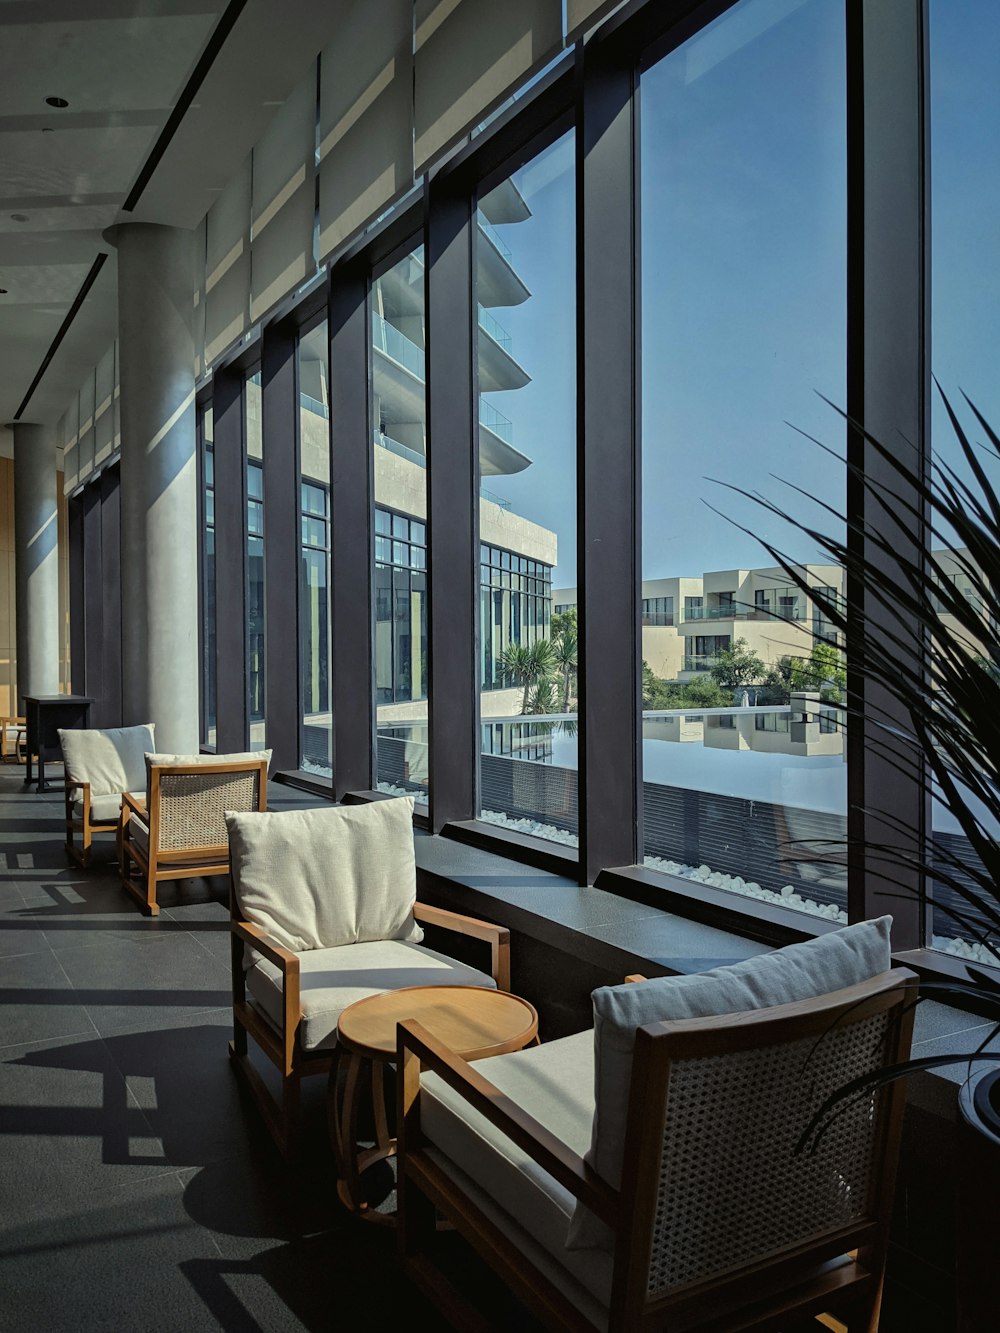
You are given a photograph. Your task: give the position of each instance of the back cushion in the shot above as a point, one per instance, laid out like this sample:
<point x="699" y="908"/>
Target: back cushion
<point x="112" y="761"/>
<point x="250" y="756"/>
<point x="798" y="972"/>
<point x="315" y="879"/>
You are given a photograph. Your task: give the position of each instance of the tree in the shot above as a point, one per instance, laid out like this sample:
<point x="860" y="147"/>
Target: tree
<point x="654" y="690"/>
<point x="704" y="692"/>
<point x="527" y="664"/>
<point x="736" y="666"/>
<point x="564" y="650"/>
<point x="822" y="670"/>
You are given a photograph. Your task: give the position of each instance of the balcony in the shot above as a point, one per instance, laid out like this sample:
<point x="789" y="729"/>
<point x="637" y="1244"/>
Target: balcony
<point x="699" y="661"/>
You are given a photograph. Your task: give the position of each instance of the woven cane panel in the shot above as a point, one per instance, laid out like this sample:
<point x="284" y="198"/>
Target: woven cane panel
<point x="193" y="807"/>
<point x="731" y="1189"/>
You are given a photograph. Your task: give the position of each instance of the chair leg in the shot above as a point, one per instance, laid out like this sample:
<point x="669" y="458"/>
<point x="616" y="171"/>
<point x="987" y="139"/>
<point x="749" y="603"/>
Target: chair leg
<point x="152" y="906"/>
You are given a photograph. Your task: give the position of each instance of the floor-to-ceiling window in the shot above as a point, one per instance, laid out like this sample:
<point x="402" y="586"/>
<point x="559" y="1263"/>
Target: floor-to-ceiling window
<point x="965" y="337"/>
<point x="255" y="562"/>
<point x="399" y="417"/>
<point x="209" y="649"/>
<point x="526" y="339"/>
<point x="743" y="225"/>
<point x="314" y="598"/>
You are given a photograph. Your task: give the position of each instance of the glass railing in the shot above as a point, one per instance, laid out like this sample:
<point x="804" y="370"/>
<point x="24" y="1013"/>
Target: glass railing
<point x="699" y="661"/>
<point x="657" y="618"/>
<point x="496" y="330"/>
<point x="314" y="405"/>
<point x="726" y="611"/>
<point x="396" y="345"/>
<point x="384" y="441"/>
<point x="496" y="421"/>
<point x="494" y="236"/>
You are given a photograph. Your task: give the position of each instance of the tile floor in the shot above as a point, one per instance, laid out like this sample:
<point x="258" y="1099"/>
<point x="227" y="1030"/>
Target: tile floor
<point x="138" y="1190"/>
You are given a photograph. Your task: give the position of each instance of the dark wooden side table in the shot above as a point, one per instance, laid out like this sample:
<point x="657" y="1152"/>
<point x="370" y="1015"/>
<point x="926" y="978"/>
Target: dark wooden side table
<point x="44" y="715"/>
<point x="474" y="1021"/>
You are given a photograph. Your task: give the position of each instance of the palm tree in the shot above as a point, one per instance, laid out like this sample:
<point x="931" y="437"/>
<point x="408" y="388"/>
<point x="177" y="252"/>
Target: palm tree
<point x="564" y="647"/>
<point x="527" y="664"/>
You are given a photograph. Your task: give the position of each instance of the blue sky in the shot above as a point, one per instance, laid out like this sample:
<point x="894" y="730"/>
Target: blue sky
<point x="744" y="269"/>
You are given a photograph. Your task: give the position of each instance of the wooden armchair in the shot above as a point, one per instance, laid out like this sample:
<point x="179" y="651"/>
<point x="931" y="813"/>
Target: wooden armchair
<point x="12" y="739"/>
<point x="179" y="830"/>
<point x="101" y="765"/>
<point x="289" y="1000"/>
<point x="717" y="1224"/>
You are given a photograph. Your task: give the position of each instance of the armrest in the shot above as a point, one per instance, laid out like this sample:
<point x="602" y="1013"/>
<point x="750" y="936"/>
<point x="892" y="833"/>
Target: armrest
<point x="259" y="939"/>
<point x="498" y="937"/>
<point x="634" y="977"/>
<point x="417" y="1045"/>
<point x="73" y="785"/>
<point x="137" y="807"/>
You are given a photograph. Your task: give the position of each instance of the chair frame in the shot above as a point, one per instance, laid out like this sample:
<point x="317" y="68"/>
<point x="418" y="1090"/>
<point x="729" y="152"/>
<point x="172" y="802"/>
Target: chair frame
<point x="839" y="1272"/>
<point x="141" y="872"/>
<point x="84" y="825"/>
<point x="19" y="723"/>
<point x="283" y="1048"/>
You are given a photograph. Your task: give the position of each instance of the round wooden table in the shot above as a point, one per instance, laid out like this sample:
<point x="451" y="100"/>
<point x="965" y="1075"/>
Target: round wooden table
<point x="472" y="1021"/>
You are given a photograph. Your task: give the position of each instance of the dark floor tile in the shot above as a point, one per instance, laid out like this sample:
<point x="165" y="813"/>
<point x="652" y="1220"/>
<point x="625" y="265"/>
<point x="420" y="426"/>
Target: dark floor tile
<point x="182" y="1079"/>
<point x="38" y="1001"/>
<point x="117" y="1260"/>
<point x="68" y="1126"/>
<point x="135" y="985"/>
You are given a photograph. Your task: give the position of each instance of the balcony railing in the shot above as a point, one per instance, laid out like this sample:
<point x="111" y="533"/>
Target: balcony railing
<point x="384" y="441"/>
<point x="699" y="661"/>
<point x="495" y="421"/>
<point x="657" y="618"/>
<point x="730" y="611"/>
<point x="314" y="405"/>
<point x="496" y="330"/>
<point x="396" y="345"/>
<point x="494" y="236"/>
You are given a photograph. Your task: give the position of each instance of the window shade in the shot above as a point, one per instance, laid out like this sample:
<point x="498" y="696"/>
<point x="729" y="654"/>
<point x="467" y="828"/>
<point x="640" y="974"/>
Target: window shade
<point x="470" y="55"/>
<point x="104" y="410"/>
<point x="85" y="447"/>
<point x="227" y="267"/>
<point x="366" y="118"/>
<point x="284" y="200"/>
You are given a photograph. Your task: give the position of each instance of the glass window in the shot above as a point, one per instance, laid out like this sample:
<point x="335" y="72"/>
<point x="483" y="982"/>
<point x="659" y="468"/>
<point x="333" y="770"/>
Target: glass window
<point x="209" y="650"/>
<point x="315" y="750"/>
<point x="256" y="658"/>
<point x="965" y="334"/>
<point x="527" y="510"/>
<point x="743" y="324"/>
<point x="400" y="585"/>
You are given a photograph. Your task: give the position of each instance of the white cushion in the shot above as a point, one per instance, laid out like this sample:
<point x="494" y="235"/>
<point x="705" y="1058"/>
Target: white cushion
<point x="316" y="879"/>
<point x="250" y="756"/>
<point x="798" y="972"/>
<point x="332" y="979"/>
<point x="554" y="1084"/>
<point x="105" y="809"/>
<point x="139" y="834"/>
<point x="112" y="761"/>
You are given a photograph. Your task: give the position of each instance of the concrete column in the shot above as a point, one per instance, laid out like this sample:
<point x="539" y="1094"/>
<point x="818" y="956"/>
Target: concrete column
<point x="36" y="561"/>
<point x="159" y="506"/>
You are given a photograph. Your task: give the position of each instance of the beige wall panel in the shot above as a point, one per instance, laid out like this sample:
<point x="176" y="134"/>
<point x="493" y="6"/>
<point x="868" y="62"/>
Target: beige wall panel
<point x="470" y="55"/>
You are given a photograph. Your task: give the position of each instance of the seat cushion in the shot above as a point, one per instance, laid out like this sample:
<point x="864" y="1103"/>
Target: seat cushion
<point x="318" y="879"/>
<point x="554" y="1084"/>
<point x="105" y="809"/>
<point x="799" y="972"/>
<point x="112" y="761"/>
<point x="331" y="979"/>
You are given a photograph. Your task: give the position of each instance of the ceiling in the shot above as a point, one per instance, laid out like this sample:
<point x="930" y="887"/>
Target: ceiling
<point x="121" y="66"/>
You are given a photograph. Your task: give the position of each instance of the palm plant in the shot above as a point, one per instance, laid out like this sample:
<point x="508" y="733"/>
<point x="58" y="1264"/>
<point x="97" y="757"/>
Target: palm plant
<point x="526" y="664"/>
<point x="564" y="651"/>
<point x="930" y="642"/>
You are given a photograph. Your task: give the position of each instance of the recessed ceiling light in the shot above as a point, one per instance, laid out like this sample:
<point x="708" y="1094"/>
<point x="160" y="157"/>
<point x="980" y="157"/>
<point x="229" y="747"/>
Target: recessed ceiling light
<point x="18" y="217"/>
<point x="56" y="101"/>
<point x="3" y="291"/>
<point x="46" y="129"/>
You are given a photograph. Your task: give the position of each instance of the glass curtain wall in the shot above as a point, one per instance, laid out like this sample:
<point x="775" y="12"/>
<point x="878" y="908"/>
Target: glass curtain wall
<point x="743" y="208"/>
<point x="526" y="292"/>
<point x="255" y="562"/>
<point x="208" y="664"/>
<point x="314" y="598"/>
<point x="399" y="416"/>
<point x="965" y="331"/>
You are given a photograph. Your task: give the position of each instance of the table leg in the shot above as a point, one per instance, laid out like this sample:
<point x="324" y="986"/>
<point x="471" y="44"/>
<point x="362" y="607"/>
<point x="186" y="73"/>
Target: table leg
<point x="343" y="1112"/>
